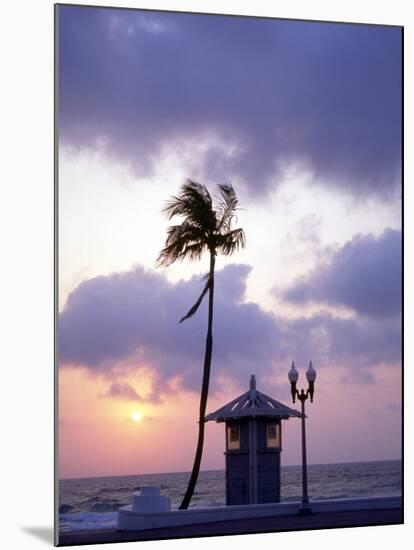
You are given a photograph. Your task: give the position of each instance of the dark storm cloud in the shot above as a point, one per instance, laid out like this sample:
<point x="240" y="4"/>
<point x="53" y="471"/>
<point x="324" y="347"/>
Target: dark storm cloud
<point x="327" y="96"/>
<point x="135" y="314"/>
<point x="364" y="275"/>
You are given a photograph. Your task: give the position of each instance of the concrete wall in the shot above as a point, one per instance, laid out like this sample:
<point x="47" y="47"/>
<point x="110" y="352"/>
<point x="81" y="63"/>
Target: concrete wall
<point x="135" y="521"/>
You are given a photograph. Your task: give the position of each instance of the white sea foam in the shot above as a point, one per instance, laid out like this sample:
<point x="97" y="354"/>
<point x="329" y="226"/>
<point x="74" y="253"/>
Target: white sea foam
<point x="87" y="521"/>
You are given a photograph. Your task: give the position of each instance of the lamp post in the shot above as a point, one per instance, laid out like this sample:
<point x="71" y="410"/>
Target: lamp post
<point x="302" y="396"/>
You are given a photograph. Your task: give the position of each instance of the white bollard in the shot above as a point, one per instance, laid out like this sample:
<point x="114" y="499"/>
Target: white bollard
<point x="149" y="499"/>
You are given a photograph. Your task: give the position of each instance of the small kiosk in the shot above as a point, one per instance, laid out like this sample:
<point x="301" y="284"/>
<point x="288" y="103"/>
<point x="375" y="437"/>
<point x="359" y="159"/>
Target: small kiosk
<point x="253" y="446"/>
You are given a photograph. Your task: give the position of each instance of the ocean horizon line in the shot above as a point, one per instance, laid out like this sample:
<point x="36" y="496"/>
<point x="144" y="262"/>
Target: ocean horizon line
<point x="222" y="469"/>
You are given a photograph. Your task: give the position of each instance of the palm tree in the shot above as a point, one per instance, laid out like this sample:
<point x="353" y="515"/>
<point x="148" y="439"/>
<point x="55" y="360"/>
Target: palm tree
<point x="204" y="227"/>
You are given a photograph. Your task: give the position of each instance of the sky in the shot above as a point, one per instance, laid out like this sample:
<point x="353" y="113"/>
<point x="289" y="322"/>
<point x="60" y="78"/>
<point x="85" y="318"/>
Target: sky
<point x="304" y="119"/>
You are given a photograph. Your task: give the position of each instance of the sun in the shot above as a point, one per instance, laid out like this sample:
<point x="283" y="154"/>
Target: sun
<point x="136" y="416"/>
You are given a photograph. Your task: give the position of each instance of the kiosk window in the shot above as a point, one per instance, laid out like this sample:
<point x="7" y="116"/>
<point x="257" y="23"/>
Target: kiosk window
<point x="273" y="436"/>
<point x="233" y="437"/>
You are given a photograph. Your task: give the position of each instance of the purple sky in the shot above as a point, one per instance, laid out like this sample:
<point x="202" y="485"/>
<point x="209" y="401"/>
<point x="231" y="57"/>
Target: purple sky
<point x="327" y="95"/>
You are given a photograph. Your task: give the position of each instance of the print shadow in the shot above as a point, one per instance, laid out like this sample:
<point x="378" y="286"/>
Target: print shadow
<point x="43" y="533"/>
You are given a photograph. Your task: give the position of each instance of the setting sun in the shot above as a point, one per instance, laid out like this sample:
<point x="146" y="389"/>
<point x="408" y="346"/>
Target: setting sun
<point x="136" y="416"/>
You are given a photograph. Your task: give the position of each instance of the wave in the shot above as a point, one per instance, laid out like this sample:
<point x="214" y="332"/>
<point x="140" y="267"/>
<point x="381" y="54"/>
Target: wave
<point x="107" y="506"/>
<point x="96" y="504"/>
<point x="105" y="490"/>
<point x="64" y="508"/>
<point x="88" y="521"/>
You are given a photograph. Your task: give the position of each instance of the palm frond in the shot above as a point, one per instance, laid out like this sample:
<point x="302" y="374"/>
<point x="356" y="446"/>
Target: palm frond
<point x="193" y="251"/>
<point x="195" y="307"/>
<point x="186" y="230"/>
<point x="231" y="241"/>
<point x="183" y="241"/>
<point x="194" y="203"/>
<point x="180" y="249"/>
<point x="227" y="206"/>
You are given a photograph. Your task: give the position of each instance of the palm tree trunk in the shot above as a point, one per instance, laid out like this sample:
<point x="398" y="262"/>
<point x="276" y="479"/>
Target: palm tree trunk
<point x="204" y="391"/>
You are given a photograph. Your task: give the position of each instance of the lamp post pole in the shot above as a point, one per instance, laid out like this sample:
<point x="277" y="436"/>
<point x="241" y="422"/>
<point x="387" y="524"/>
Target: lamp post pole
<point x="303" y="396"/>
<point x="305" y="498"/>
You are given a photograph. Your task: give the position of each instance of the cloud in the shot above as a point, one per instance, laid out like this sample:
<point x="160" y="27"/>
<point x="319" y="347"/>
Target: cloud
<point x="135" y="314"/>
<point x="125" y="392"/>
<point x="122" y="391"/>
<point x="130" y="319"/>
<point x="364" y="275"/>
<point x="260" y="94"/>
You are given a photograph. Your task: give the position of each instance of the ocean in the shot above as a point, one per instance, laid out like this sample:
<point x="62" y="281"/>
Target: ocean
<point x="91" y="503"/>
